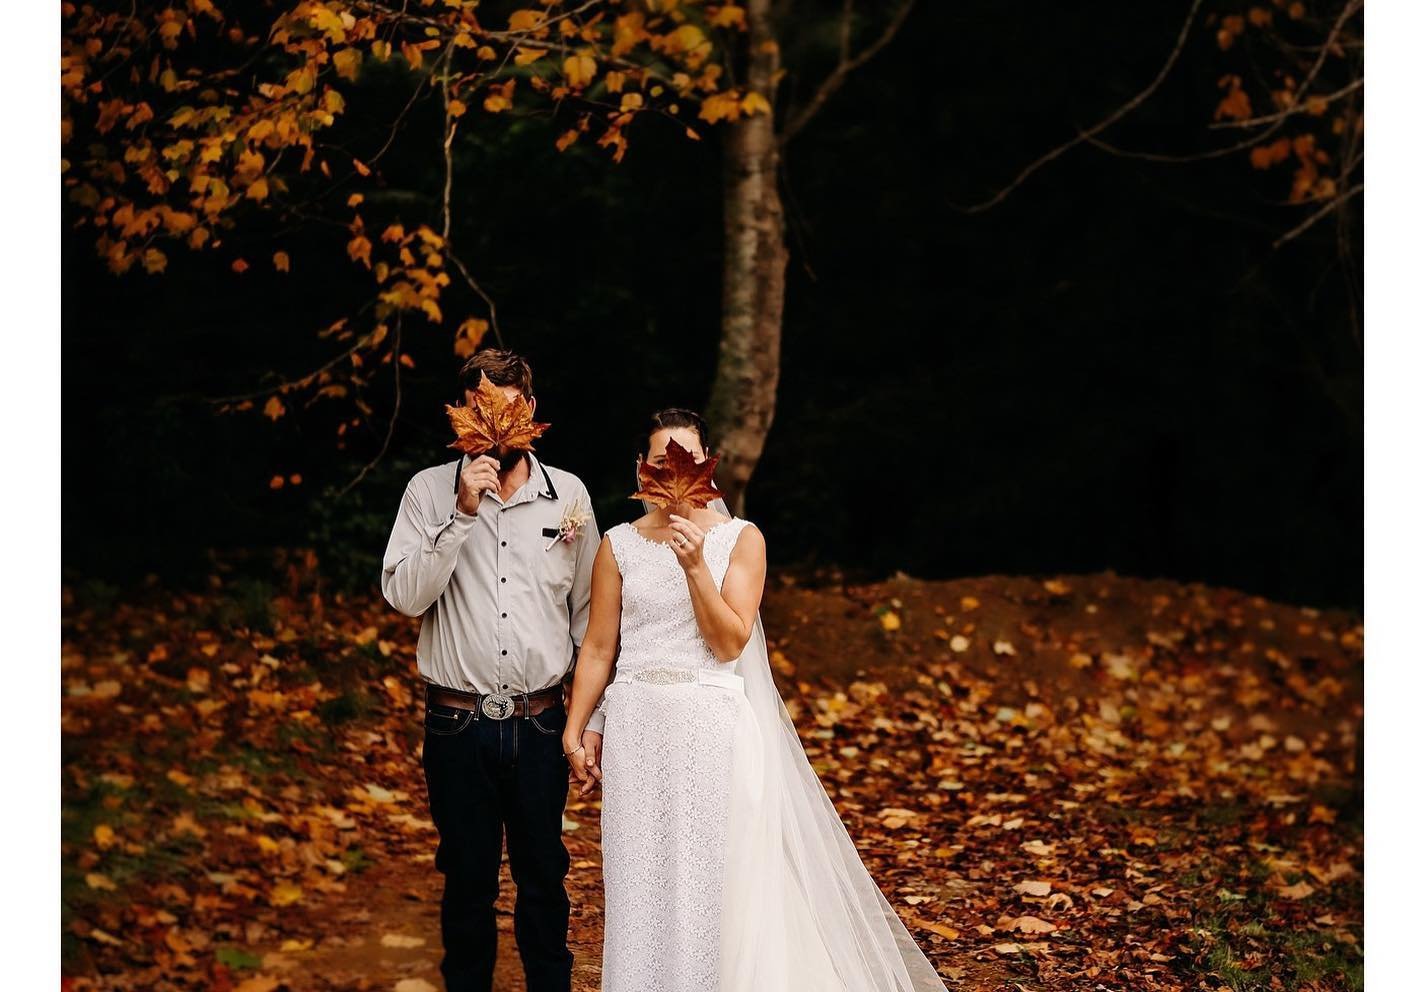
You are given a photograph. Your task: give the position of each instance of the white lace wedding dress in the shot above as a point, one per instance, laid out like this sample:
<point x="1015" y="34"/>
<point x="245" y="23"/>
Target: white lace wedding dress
<point x="667" y="765"/>
<point x="726" y="867"/>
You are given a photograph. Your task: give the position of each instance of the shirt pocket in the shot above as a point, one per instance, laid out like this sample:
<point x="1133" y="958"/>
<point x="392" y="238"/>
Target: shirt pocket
<point x="556" y="561"/>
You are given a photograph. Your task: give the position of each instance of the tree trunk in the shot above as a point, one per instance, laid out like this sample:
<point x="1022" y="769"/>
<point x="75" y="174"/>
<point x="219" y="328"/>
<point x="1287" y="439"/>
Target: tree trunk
<point x="744" y="392"/>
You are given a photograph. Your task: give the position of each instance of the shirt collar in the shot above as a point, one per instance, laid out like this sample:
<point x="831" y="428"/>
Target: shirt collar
<point x="539" y="476"/>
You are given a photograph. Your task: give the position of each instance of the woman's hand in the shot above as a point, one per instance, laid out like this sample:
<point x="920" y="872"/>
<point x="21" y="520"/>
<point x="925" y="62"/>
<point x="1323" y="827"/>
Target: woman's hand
<point x="574" y="753"/>
<point x="687" y="542"/>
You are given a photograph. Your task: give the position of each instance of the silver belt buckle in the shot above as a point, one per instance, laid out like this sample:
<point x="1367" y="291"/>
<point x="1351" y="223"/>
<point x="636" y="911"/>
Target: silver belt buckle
<point x="497" y="706"/>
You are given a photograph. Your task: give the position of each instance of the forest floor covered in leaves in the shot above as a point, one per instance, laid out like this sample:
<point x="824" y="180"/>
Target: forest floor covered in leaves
<point x="1083" y="782"/>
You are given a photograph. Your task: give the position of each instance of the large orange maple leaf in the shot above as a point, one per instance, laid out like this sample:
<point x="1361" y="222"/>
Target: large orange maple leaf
<point x="493" y="421"/>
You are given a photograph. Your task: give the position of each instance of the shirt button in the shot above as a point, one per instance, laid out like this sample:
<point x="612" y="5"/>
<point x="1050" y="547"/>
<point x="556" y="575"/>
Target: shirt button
<point x="503" y="651"/>
<point x="502" y="578"/>
<point x="502" y="543"/>
<point x="503" y="615"/>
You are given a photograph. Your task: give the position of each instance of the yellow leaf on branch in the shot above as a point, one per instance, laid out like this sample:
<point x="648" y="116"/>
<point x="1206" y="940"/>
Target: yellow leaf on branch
<point x="755" y="103"/>
<point x="347" y="62"/>
<point x="501" y="97"/>
<point x="525" y="20"/>
<point x="579" y="70"/>
<point x="359" y="248"/>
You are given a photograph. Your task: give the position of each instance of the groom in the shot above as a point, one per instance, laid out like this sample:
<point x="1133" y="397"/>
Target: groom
<point x="476" y="553"/>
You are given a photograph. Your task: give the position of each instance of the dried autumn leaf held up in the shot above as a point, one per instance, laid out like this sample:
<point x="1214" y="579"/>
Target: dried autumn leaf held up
<point x="680" y="479"/>
<point x="492" y="421"/>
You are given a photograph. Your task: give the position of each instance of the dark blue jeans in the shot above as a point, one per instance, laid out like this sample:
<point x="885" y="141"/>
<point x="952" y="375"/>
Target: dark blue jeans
<point x="487" y="778"/>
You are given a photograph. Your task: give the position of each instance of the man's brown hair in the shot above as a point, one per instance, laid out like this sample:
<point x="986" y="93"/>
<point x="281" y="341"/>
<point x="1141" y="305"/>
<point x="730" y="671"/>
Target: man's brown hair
<point x="501" y="367"/>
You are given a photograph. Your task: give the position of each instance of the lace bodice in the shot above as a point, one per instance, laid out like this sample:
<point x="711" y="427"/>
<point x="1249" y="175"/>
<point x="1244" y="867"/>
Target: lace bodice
<point x="658" y="628"/>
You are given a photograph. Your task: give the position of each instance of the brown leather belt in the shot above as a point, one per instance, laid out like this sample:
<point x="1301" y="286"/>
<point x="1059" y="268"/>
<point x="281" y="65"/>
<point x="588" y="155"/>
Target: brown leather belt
<point x="496" y="705"/>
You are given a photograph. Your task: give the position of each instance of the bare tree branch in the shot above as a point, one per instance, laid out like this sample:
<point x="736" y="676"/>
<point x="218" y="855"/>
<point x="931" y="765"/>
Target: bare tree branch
<point x="1240" y="146"/>
<point x="396" y="124"/>
<point x="1332" y="205"/>
<point x="475" y="286"/>
<point x="845" y="65"/>
<point x="1299" y="106"/>
<point x="1351" y="8"/>
<point x="1117" y="115"/>
<point x="362" y="342"/>
<point x="448" y="139"/>
<point x="395" y="413"/>
<point x="1350" y="270"/>
<point x="1329" y="45"/>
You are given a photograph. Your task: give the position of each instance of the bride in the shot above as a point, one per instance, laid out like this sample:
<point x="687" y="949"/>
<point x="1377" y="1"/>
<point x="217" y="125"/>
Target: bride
<point x="726" y="867"/>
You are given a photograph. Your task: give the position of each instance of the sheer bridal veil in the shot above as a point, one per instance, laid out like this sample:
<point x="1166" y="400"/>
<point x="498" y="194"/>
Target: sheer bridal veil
<point x="800" y="910"/>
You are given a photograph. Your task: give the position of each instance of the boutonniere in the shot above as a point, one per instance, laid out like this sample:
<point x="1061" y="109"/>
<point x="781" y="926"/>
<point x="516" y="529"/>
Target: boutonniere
<point x="572" y="521"/>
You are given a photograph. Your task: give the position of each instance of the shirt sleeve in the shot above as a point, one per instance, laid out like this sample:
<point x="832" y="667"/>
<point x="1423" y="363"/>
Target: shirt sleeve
<point x="579" y="595"/>
<point x="579" y="592"/>
<point x="596" y="718"/>
<point x="421" y="553"/>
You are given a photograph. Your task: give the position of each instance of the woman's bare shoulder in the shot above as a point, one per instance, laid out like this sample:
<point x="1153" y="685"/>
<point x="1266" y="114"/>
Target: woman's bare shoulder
<point x="749" y="537"/>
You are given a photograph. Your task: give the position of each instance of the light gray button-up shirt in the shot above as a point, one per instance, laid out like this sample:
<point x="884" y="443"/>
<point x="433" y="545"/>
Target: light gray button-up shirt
<point x="502" y="609"/>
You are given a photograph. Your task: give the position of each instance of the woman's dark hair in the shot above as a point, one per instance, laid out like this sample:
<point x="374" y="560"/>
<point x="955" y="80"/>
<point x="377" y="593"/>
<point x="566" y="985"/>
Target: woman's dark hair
<point x="675" y="416"/>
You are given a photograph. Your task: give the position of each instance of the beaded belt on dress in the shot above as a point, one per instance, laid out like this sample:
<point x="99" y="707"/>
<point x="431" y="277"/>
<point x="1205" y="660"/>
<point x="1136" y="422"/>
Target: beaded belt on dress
<point x="673" y="676"/>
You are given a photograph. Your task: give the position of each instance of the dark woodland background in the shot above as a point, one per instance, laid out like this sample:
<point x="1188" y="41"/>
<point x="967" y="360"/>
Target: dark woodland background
<point x="1111" y="369"/>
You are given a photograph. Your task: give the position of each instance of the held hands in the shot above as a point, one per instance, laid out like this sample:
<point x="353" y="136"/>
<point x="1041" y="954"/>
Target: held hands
<point x="687" y="542"/>
<point x="584" y="756"/>
<point x="478" y="476"/>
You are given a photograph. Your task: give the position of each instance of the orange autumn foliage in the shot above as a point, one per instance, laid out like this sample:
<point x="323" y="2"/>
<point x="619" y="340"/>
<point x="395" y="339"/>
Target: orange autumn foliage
<point x="190" y="125"/>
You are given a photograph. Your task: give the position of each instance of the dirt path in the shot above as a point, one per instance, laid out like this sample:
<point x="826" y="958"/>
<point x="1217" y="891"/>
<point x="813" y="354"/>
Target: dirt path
<point x="393" y="935"/>
<point x="385" y="928"/>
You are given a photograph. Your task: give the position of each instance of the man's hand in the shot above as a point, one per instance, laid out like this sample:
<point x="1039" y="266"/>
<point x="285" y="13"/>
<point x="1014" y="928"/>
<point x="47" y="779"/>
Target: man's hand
<point x="480" y="475"/>
<point x="593" y="761"/>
